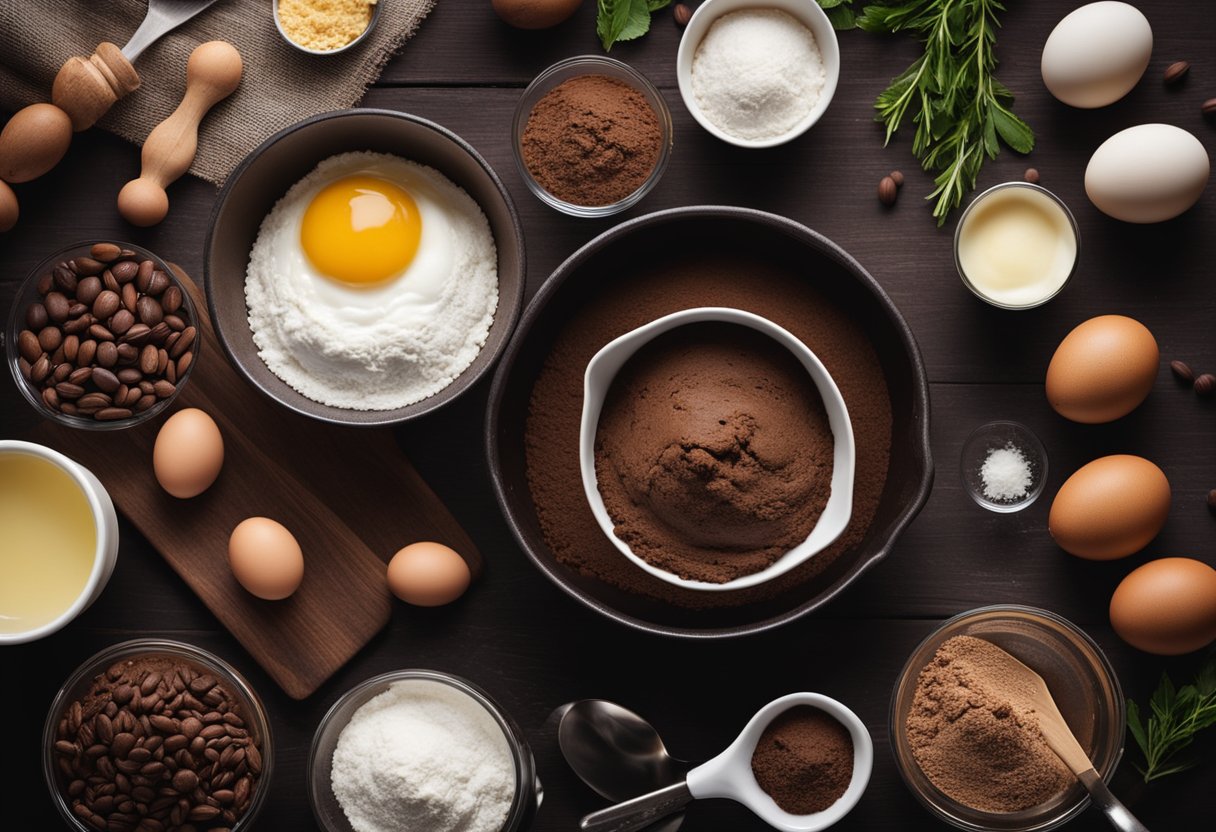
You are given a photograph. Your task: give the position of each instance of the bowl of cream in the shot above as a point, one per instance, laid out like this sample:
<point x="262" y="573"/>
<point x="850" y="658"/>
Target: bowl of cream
<point x="758" y="74"/>
<point x="716" y="452"/>
<point x="1016" y="245"/>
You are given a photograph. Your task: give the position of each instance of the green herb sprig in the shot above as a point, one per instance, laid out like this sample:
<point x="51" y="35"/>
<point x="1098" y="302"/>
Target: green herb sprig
<point x="1177" y="716"/>
<point x="840" y="13"/>
<point x="618" y="20"/>
<point x="959" y="107"/>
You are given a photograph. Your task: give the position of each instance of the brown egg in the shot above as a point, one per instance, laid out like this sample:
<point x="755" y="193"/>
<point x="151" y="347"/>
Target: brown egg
<point x="9" y="209"/>
<point x="1102" y="370"/>
<point x="33" y="142"/>
<point x="266" y="558"/>
<point x="535" y="14"/>
<point x="428" y="574"/>
<point x="1167" y="606"/>
<point x="188" y="453"/>
<point x="1110" y="508"/>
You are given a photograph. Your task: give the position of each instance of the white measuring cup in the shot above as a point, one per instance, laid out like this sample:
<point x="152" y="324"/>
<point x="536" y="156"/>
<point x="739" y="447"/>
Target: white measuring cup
<point x="730" y="775"/>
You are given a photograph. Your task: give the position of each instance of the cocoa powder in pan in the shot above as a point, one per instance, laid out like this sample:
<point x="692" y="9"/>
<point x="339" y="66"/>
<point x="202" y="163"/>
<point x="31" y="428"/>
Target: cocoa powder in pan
<point x="666" y="285"/>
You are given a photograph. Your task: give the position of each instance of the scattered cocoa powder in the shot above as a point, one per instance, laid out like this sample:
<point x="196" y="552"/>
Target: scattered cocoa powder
<point x="804" y="760"/>
<point x="713" y="453"/>
<point x="975" y="735"/>
<point x="591" y="140"/>
<point x="782" y="292"/>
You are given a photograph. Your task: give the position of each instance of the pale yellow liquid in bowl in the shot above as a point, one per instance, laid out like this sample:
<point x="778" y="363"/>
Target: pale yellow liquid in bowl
<point x="48" y="541"/>
<point x="1016" y="246"/>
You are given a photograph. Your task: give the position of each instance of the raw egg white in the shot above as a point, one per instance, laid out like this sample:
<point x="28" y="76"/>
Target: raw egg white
<point x="188" y="454"/>
<point x="265" y="558"/>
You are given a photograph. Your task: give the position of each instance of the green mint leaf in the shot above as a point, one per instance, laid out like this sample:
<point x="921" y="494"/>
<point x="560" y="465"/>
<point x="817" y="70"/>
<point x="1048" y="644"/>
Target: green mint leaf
<point x="637" y="23"/>
<point x="655" y="5"/>
<point x="842" y="18"/>
<point x="1136" y="726"/>
<point x="612" y="19"/>
<point x="1013" y="131"/>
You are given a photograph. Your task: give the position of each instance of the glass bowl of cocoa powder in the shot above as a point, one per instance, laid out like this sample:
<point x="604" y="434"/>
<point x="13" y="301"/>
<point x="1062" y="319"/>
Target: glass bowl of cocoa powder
<point x="592" y="136"/>
<point x="159" y="729"/>
<point x="962" y="746"/>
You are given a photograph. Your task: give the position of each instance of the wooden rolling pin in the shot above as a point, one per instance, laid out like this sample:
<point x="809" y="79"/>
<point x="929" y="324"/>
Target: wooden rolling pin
<point x="37" y="137"/>
<point x="212" y="74"/>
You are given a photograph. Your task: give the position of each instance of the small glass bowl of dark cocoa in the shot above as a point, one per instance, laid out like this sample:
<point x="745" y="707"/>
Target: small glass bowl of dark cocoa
<point x="592" y="136"/>
<point x="959" y="741"/>
<point x="157" y="734"/>
<point x="102" y="336"/>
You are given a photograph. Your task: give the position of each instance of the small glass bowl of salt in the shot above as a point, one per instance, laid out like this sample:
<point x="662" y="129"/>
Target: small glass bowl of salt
<point x="1004" y="466"/>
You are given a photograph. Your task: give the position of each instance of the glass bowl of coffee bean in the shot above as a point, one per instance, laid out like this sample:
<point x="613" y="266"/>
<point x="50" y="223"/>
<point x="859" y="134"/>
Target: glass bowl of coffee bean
<point x="102" y="336"/>
<point x="157" y="734"/>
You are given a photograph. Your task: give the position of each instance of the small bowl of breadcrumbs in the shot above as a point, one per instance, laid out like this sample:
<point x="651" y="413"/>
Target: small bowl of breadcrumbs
<point x="325" y="27"/>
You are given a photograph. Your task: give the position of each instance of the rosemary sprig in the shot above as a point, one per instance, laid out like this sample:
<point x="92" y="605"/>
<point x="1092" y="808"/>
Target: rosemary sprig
<point x="961" y="111"/>
<point x="1177" y="715"/>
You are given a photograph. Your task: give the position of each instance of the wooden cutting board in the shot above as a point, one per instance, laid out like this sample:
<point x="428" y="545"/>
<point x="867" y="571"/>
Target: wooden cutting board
<point x="349" y="496"/>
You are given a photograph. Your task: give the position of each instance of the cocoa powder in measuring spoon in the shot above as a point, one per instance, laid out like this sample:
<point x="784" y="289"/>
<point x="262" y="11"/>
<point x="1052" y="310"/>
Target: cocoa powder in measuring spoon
<point x="592" y="140"/>
<point x="804" y="760"/>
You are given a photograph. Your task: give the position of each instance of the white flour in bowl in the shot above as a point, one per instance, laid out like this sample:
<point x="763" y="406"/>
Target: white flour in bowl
<point x="423" y="755"/>
<point x="386" y="343"/>
<point x="757" y="73"/>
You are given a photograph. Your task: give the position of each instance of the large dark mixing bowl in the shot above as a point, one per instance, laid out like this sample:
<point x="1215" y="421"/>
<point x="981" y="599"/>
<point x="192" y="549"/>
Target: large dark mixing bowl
<point x="702" y="228"/>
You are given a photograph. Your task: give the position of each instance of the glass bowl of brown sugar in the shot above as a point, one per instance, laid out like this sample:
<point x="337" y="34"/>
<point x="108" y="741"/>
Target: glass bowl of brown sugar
<point x="592" y="136"/>
<point x="974" y="762"/>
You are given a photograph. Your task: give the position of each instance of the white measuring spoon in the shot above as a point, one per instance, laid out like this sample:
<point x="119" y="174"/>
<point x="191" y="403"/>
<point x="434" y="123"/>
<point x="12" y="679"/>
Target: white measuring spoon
<point x="730" y="775"/>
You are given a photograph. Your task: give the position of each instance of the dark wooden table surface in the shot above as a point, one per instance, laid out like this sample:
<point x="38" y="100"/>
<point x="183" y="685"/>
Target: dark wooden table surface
<point x="531" y="646"/>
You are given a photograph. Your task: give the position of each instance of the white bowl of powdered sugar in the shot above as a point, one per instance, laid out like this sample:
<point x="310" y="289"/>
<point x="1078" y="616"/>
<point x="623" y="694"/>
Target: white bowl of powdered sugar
<point x="758" y="74"/>
<point x="420" y="750"/>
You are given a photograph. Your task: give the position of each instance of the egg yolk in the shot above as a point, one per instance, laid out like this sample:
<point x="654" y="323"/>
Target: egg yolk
<point x="361" y="230"/>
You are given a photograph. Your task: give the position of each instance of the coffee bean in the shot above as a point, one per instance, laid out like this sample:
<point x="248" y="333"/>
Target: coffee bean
<point x="130" y="298"/>
<point x="80" y="375"/>
<point x="128" y="353"/>
<point x="171" y="301"/>
<point x="163" y="389"/>
<point x="137" y="334"/>
<point x="57" y="305"/>
<point x="100" y="333"/>
<point x="40" y="369"/>
<point x="143" y="276"/>
<point x="1212" y="499"/>
<point x="67" y="390"/>
<point x="185" y="780"/>
<point x="149" y="359"/>
<point x="887" y="191"/>
<point x="203" y="812"/>
<point x="163" y="724"/>
<point x="106" y="304"/>
<point x="183" y="364"/>
<point x="105" y="252"/>
<point x="107" y="353"/>
<point x="212" y="732"/>
<point x="35" y="316"/>
<point x="79" y="325"/>
<point x="29" y="345"/>
<point x="109" y="281"/>
<point x="64" y="279"/>
<point x="86" y="353"/>
<point x="87" y="266"/>
<point x="1182" y="371"/>
<point x="181" y="345"/>
<point x="87" y="290"/>
<point x="71" y="348"/>
<point x="1205" y="385"/>
<point x="125" y="272"/>
<point x="49" y="338"/>
<point x="149" y="311"/>
<point x="105" y="380"/>
<point x="129" y="375"/>
<point x="121" y="321"/>
<point x="175" y="323"/>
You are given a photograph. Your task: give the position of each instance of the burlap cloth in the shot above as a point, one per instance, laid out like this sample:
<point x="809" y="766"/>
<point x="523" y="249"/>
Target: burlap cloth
<point x="280" y="85"/>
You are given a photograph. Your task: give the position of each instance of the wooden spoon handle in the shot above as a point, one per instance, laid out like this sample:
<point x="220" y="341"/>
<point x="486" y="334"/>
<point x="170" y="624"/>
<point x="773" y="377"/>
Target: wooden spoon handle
<point x="212" y="74"/>
<point x="86" y="88"/>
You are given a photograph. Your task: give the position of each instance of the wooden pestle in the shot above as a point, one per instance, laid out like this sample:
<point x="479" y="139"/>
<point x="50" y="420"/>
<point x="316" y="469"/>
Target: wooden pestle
<point x="37" y="137"/>
<point x="212" y="74"/>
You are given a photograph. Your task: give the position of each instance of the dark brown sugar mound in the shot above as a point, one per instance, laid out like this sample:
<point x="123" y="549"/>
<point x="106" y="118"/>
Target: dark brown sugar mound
<point x="623" y="302"/>
<point x="713" y="452"/>
<point x="804" y="760"/>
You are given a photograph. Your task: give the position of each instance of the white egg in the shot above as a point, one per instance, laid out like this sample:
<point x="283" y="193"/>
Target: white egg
<point x="1096" y="54"/>
<point x="1148" y="173"/>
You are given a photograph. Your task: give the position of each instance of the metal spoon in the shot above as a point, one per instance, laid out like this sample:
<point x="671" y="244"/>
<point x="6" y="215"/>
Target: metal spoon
<point x="1061" y="740"/>
<point x="617" y="753"/>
